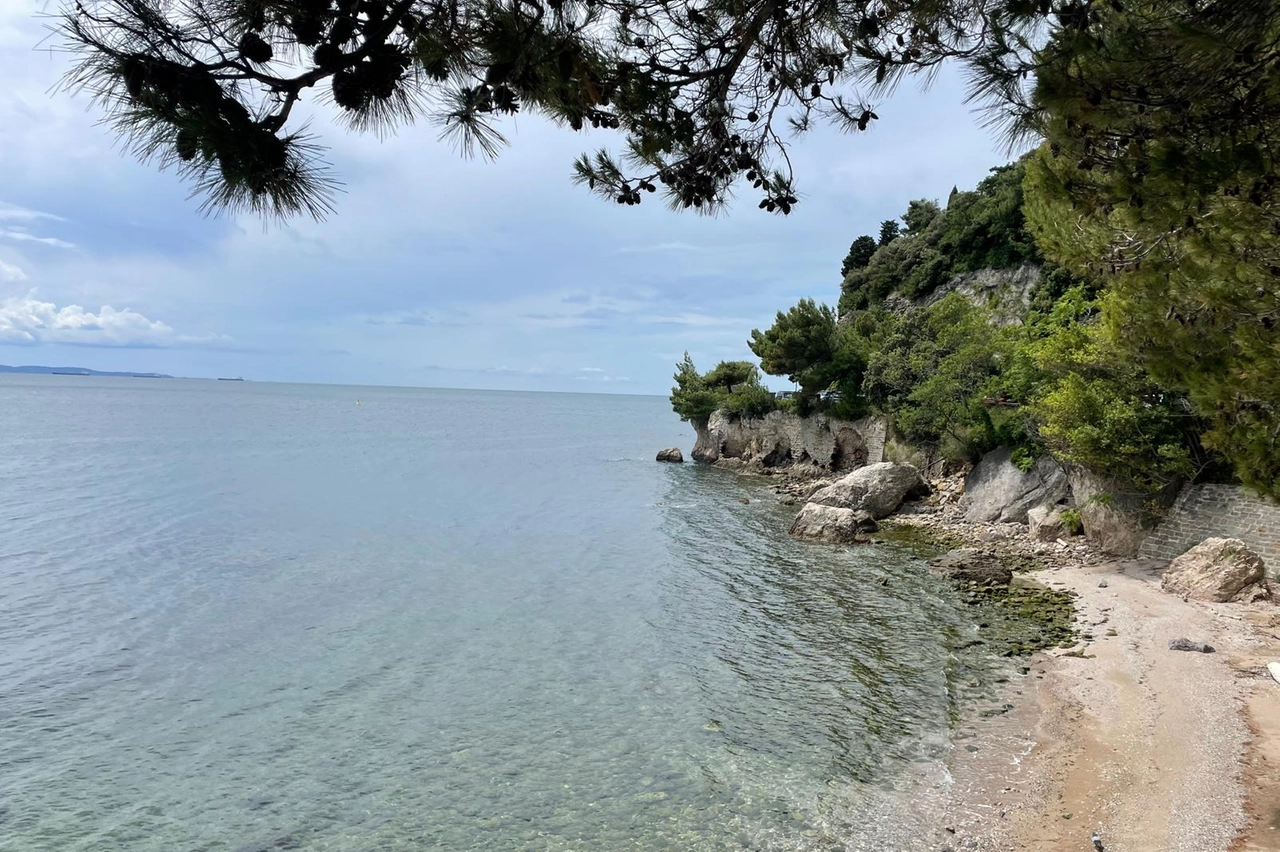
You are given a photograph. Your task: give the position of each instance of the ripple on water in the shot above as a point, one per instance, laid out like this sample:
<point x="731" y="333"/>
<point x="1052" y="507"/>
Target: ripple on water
<point x="260" y="618"/>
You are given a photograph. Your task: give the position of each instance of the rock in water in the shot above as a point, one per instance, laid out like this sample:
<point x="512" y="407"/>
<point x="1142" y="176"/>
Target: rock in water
<point x="996" y="490"/>
<point x="1188" y="645"/>
<point x="1218" y="569"/>
<point x="877" y="489"/>
<point x="968" y="566"/>
<point x="832" y="524"/>
<point x="672" y="454"/>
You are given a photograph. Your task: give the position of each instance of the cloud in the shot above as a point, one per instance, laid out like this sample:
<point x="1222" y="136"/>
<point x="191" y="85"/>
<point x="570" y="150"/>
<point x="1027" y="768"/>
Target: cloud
<point x="31" y="321"/>
<point x="16" y="213"/>
<point x="23" y="235"/>
<point x="698" y="320"/>
<point x="10" y="273"/>
<point x="590" y="370"/>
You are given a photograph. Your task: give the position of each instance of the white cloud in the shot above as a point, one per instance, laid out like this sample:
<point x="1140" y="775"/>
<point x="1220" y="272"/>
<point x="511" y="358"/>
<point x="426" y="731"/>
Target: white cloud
<point x="15" y="213"/>
<point x="590" y="370"/>
<point x="698" y="320"/>
<point x="11" y="273"/>
<point x="29" y="320"/>
<point x="25" y="236"/>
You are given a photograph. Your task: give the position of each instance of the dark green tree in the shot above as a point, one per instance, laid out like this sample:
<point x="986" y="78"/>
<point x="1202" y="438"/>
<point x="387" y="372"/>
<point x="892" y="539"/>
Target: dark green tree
<point x="703" y="93"/>
<point x="798" y="344"/>
<point x="1160" y="177"/>
<point x="920" y="215"/>
<point x="729" y="374"/>
<point x="692" y="398"/>
<point x="889" y="231"/>
<point x="732" y="387"/>
<point x="859" y="254"/>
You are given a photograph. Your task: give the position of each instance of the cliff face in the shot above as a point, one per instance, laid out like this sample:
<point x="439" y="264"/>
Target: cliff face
<point x="1005" y="292"/>
<point x="781" y="440"/>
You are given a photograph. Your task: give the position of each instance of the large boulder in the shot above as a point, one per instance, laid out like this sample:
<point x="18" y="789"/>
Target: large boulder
<point x="1116" y="518"/>
<point x="1218" y="569"/>
<point x="1048" y="523"/>
<point x="831" y="523"/>
<point x="997" y="491"/>
<point x="877" y="489"/>
<point x="671" y="454"/>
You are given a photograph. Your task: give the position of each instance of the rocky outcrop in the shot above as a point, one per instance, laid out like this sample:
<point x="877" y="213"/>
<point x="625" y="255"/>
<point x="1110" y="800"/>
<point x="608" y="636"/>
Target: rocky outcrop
<point x="877" y="489"/>
<point x="1114" y="519"/>
<point x="1047" y="523"/>
<point x="781" y="440"/>
<point x="1217" y="569"/>
<point x="997" y="491"/>
<point x="671" y="454"/>
<point x="1005" y="292"/>
<point x="817" y="522"/>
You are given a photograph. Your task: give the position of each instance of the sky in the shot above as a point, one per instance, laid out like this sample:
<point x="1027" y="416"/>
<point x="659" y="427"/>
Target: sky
<point x="436" y="271"/>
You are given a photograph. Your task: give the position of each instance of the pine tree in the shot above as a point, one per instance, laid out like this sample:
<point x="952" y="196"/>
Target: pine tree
<point x="1160" y="176"/>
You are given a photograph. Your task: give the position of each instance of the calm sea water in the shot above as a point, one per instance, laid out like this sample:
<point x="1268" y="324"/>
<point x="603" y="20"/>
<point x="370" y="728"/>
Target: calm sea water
<point x="259" y="617"/>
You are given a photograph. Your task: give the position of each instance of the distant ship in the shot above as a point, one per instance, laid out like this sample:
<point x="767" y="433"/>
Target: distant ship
<point x="235" y="379"/>
<point x="70" y="372"/>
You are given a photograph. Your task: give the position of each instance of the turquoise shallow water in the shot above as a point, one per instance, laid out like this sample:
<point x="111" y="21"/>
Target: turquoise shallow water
<point x="239" y="616"/>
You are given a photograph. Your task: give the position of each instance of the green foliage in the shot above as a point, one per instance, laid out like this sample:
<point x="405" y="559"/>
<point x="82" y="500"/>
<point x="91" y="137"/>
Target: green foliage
<point x="889" y="231"/>
<point x="1096" y="407"/>
<point x="729" y="374"/>
<point x="691" y="398"/>
<point x="1023" y="459"/>
<point x="1072" y="521"/>
<point x="799" y="345"/>
<point x="731" y="386"/>
<point x="749" y="400"/>
<point x="931" y="370"/>
<point x="1176" y="209"/>
<point x="859" y="254"/>
<point x="980" y="229"/>
<point x="920" y="214"/>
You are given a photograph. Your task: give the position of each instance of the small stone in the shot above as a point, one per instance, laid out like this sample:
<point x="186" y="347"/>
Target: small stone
<point x="1102" y="584"/>
<point x="1188" y="645"/>
<point x="671" y="454"/>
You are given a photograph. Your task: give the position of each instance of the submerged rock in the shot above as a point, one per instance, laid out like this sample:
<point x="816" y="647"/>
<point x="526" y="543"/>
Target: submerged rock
<point x="996" y="490"/>
<point x="817" y="522"/>
<point x="671" y="454"/>
<point x="1218" y="569"/>
<point x="877" y="489"/>
<point x="968" y="566"/>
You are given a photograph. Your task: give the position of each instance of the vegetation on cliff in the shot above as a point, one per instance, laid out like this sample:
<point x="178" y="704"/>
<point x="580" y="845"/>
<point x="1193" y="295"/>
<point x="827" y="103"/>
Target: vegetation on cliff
<point x="1149" y="349"/>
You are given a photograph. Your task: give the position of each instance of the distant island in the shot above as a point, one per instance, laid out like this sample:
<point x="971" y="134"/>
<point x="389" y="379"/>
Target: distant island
<point x="78" y="371"/>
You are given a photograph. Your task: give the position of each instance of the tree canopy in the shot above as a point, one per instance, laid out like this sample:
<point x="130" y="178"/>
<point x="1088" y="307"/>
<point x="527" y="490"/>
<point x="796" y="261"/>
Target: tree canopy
<point x="703" y="93"/>
<point x="798" y="341"/>
<point x="859" y="255"/>
<point x="733" y="387"/>
<point x="1159" y="176"/>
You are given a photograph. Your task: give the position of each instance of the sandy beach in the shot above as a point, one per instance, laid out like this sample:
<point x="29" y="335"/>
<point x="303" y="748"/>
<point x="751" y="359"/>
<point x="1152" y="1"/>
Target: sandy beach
<point x="1148" y="748"/>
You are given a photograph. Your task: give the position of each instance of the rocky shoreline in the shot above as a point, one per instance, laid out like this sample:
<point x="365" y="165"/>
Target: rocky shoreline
<point x="1111" y="729"/>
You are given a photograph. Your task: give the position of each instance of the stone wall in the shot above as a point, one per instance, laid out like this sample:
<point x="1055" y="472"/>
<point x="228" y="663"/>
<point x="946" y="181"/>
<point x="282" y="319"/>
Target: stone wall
<point x="1217" y="511"/>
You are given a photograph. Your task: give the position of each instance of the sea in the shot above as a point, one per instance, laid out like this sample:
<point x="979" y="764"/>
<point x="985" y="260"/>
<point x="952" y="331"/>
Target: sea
<point x="253" y="617"/>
